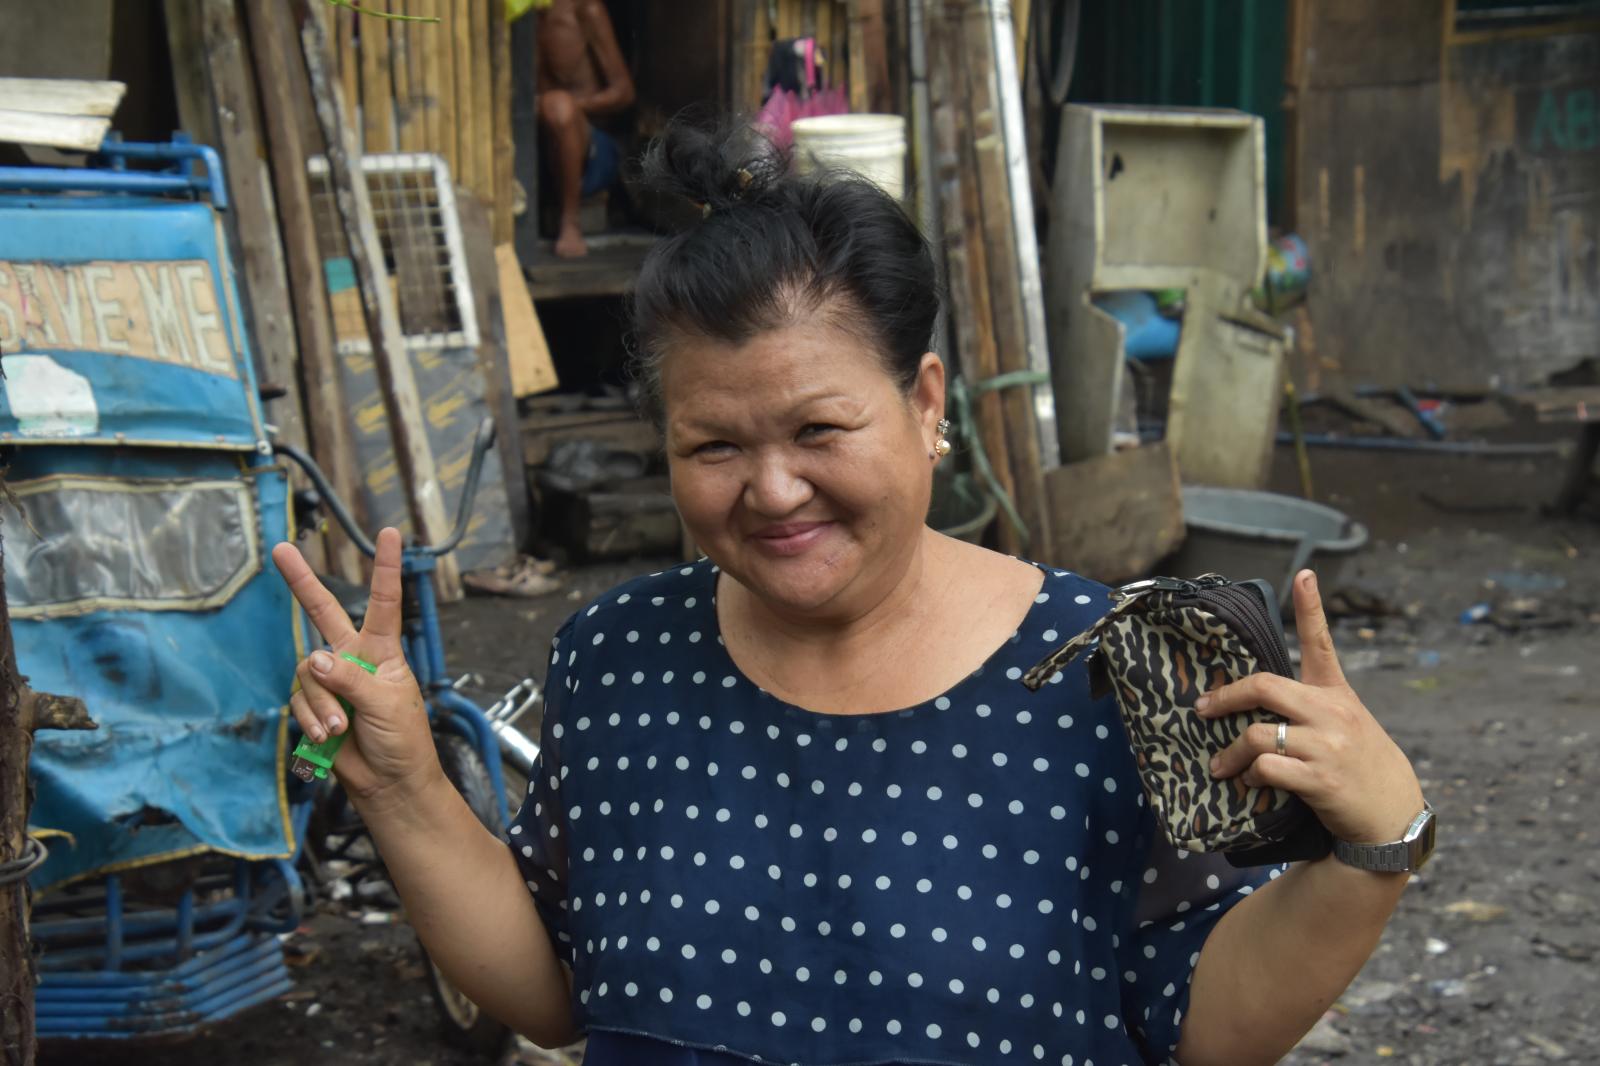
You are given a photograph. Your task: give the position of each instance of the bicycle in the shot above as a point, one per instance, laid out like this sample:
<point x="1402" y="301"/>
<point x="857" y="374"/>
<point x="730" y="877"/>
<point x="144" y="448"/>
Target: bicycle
<point x="471" y="741"/>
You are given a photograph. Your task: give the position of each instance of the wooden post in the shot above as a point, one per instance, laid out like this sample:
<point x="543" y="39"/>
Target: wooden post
<point x="504" y="147"/>
<point x="326" y="412"/>
<point x="22" y="711"/>
<point x="407" y="427"/>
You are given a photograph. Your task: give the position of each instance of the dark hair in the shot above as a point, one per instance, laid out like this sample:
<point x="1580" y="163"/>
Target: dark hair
<point x="769" y="246"/>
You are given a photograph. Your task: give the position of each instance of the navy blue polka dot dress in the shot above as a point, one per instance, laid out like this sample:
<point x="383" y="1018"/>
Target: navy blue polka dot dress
<point x="975" y="879"/>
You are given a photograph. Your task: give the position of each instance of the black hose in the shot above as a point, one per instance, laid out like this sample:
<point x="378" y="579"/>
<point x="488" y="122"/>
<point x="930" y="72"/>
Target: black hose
<point x="1055" y="22"/>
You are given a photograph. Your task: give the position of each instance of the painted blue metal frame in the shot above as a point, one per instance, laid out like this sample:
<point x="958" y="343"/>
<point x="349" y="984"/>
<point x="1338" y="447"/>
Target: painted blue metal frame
<point x="117" y="178"/>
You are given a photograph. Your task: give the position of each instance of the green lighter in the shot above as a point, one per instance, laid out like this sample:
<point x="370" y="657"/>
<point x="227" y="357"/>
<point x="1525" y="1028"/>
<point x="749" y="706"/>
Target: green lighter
<point x="315" y="760"/>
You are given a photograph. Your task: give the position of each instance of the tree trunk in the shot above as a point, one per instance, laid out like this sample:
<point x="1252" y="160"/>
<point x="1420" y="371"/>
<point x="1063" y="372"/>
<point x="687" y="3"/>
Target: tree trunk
<point x="21" y="711"/>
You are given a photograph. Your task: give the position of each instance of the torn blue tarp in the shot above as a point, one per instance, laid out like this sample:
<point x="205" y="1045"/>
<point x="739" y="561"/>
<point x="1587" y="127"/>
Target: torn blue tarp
<point x="191" y="705"/>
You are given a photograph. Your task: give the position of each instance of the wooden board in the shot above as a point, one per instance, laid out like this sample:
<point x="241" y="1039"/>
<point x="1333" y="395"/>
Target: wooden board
<point x="1136" y="518"/>
<point x="281" y="79"/>
<point x="81" y="133"/>
<point x="61" y="96"/>
<point x="532" y="369"/>
<point x="1227" y="387"/>
<point x="477" y="239"/>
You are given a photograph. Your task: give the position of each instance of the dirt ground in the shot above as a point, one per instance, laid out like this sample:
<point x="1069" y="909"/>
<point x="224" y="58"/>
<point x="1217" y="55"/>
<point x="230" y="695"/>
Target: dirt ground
<point x="1491" y="958"/>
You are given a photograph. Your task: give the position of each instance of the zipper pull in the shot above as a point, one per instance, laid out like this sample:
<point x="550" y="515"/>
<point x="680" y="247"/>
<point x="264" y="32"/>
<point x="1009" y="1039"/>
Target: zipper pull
<point x="1151" y="584"/>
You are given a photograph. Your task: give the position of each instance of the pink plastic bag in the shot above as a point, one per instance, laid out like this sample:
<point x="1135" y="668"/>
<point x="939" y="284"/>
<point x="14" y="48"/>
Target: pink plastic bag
<point x="784" y="106"/>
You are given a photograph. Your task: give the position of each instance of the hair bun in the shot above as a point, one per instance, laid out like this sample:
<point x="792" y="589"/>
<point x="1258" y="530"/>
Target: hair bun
<point x="713" y="166"/>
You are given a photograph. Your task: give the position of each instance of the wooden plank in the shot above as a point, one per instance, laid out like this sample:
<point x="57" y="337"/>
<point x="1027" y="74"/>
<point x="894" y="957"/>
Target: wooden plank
<point x="377" y="79"/>
<point x="1227" y="387"/>
<point x="505" y="150"/>
<point x="81" y="133"/>
<point x="61" y="96"/>
<point x="464" y="121"/>
<point x="477" y="239"/>
<point x="532" y="369"/>
<point x="328" y="420"/>
<point x="413" y="455"/>
<point x="215" y="41"/>
<point x="186" y="47"/>
<point x="425" y="37"/>
<point x="1136" y="520"/>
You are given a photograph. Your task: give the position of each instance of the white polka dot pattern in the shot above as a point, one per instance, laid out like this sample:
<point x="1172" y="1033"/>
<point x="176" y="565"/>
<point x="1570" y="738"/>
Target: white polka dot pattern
<point x="916" y="885"/>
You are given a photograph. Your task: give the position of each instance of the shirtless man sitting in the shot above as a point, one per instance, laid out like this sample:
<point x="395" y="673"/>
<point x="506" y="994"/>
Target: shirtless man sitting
<point x="581" y="76"/>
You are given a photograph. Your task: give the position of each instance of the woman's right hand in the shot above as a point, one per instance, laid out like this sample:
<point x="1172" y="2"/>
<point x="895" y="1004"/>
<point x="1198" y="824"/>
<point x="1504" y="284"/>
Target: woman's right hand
<point x="390" y="748"/>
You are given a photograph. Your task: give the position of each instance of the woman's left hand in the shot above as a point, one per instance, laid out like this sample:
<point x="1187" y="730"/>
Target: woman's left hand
<point x="1338" y="759"/>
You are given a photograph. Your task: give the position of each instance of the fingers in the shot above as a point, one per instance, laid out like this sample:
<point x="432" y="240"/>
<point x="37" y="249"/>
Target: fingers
<point x="384" y="596"/>
<point x="1285" y="772"/>
<point x="320" y="604"/>
<point x="1291" y="699"/>
<point x="1319" y="663"/>
<point x="316" y="708"/>
<point x="1261" y="738"/>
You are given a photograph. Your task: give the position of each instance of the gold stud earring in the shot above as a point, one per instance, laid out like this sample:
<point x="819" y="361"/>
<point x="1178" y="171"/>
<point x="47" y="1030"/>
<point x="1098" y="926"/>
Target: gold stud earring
<point x="942" y="446"/>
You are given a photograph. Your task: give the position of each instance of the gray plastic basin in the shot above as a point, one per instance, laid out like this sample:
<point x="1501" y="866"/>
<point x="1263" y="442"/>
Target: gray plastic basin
<point x="1244" y="534"/>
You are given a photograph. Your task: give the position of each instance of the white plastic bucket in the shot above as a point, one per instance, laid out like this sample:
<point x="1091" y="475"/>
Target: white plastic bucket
<point x="873" y="146"/>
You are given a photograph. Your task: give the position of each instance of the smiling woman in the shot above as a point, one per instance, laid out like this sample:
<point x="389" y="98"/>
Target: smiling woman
<point x="793" y="802"/>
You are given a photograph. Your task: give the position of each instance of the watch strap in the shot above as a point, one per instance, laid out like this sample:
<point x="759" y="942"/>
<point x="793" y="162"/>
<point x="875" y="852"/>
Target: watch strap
<point x="1398" y="856"/>
<point x="1384" y="858"/>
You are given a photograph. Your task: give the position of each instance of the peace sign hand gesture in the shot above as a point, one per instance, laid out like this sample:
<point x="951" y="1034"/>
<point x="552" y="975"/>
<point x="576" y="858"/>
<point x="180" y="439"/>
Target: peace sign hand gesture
<point x="390" y="748"/>
<point x="1335" y="755"/>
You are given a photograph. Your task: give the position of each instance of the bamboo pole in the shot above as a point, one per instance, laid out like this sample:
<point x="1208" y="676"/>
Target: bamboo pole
<point x="966" y="267"/>
<point x="428" y="38"/>
<point x="344" y="23"/>
<point x="277" y="73"/>
<point x="995" y="229"/>
<point x="483" y="143"/>
<point x="419" y="477"/>
<point x="410" y="126"/>
<point x="505" y="151"/>
<point x="465" y="125"/>
<point x="377" y="81"/>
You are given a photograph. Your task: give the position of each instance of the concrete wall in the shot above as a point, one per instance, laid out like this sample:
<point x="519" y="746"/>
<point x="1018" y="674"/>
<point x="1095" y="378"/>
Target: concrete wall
<point x="1449" y="186"/>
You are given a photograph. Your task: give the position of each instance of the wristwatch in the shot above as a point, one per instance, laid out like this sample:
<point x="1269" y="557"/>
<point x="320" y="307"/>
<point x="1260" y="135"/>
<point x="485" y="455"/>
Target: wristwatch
<point x="1400" y="856"/>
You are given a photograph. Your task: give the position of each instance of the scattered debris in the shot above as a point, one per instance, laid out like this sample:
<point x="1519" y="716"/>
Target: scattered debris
<point x="1434" y="946"/>
<point x="1325" y="1039"/>
<point x="1474" y="911"/>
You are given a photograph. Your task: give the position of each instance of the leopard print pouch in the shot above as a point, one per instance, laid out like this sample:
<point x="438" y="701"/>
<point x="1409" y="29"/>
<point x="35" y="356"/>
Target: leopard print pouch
<point x="1163" y="643"/>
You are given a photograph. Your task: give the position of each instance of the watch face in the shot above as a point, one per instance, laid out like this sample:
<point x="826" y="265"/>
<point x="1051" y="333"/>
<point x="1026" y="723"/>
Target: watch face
<point x="1422" y="845"/>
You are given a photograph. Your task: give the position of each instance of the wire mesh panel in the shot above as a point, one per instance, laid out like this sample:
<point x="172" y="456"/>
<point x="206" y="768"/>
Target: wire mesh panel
<point x="413" y="205"/>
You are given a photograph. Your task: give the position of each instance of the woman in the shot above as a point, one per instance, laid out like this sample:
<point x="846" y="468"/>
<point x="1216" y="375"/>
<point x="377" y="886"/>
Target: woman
<point x="793" y="803"/>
